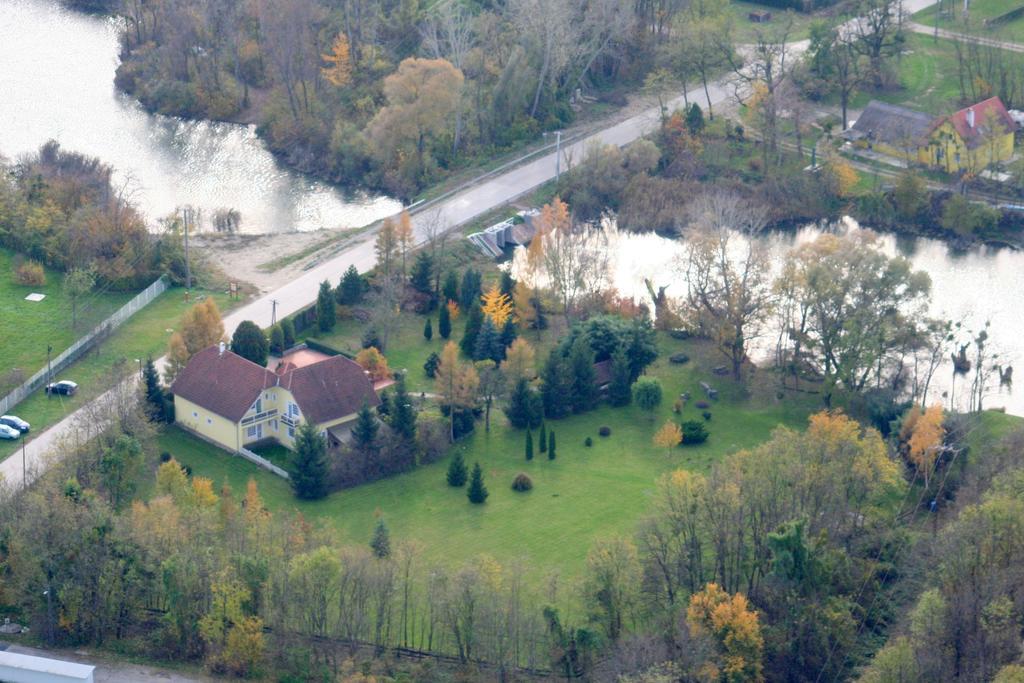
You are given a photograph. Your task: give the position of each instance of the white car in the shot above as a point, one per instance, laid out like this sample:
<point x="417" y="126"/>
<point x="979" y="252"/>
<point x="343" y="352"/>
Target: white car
<point x="8" y="432"/>
<point x="16" y="422"/>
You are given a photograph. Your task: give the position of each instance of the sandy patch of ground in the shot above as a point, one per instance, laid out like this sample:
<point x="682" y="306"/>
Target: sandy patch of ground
<point x="258" y="259"/>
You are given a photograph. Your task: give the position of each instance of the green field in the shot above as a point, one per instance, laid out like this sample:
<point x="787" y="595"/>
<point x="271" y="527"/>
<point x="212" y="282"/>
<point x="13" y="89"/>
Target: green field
<point x="586" y="493"/>
<point x="745" y="31"/>
<point x="27" y="327"/>
<point x="949" y="15"/>
<point x="144" y="334"/>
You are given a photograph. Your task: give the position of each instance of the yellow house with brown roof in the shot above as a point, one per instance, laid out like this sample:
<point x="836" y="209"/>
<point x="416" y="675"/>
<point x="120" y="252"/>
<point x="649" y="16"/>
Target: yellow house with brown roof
<point x="969" y="140"/>
<point x="234" y="402"/>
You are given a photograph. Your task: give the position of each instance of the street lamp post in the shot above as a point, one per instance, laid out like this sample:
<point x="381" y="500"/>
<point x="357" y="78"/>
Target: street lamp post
<point x="558" y="154"/>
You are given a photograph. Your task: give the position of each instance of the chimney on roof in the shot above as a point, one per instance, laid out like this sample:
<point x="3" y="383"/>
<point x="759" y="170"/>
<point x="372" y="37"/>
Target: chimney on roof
<point x="970" y="117"/>
<point x="220" y="348"/>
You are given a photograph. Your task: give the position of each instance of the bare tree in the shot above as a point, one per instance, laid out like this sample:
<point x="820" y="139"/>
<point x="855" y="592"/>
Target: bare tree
<point x="727" y="271"/>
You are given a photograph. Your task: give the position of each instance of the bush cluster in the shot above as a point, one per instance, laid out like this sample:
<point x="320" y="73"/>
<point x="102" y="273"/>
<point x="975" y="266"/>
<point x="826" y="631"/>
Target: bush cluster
<point x="522" y="482"/>
<point x="605" y="431"/>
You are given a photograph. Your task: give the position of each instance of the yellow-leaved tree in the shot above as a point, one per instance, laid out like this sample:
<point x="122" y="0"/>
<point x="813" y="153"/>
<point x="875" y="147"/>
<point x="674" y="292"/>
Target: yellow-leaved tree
<point x="338" y="71"/>
<point x="404" y="239"/>
<point x="668" y="437"/>
<point x="457" y="382"/>
<point x="519" y="362"/>
<point x="375" y="364"/>
<point x="496" y="306"/>
<point x="926" y="440"/>
<point x="386" y="247"/>
<point x="734" y="631"/>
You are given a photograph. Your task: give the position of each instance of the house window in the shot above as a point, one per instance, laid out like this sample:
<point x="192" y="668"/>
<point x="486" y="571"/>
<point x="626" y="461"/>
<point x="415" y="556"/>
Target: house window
<point x="209" y="421"/>
<point x="254" y="432"/>
<point x="258" y="406"/>
<point x="291" y="431"/>
<point x="273" y="425"/>
<point x="293" y="409"/>
<point x="195" y="414"/>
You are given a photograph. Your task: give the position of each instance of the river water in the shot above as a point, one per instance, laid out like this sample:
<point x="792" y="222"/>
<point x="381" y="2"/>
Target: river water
<point x="970" y="287"/>
<point x="57" y="81"/>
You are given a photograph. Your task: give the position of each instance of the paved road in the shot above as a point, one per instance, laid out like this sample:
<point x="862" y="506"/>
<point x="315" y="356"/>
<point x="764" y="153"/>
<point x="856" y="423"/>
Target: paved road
<point x="966" y="37"/>
<point x="451" y="212"/>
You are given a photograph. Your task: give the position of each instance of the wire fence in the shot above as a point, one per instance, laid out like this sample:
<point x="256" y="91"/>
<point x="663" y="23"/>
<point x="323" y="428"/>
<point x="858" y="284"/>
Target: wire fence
<point x="75" y="351"/>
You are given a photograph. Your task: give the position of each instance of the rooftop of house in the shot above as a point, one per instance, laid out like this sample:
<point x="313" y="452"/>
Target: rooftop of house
<point x="892" y="125"/>
<point x="978" y="122"/>
<point x="227" y="384"/>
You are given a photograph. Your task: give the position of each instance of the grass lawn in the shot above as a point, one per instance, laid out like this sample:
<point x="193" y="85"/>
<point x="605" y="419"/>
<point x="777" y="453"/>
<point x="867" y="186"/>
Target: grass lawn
<point x="949" y="15"/>
<point x="745" y="31"/>
<point x="144" y="334"/>
<point x="27" y="327"/>
<point x="586" y="493"/>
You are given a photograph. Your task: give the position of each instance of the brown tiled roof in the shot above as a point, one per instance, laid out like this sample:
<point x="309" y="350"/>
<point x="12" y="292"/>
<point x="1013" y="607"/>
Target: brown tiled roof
<point x="990" y="116"/>
<point x="224" y="383"/>
<point x="330" y="389"/>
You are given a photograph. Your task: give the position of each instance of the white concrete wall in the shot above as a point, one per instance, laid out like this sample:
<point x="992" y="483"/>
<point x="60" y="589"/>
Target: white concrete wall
<point x="15" y="668"/>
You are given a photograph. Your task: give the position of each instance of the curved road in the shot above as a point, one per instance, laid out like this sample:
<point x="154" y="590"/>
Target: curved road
<point x="451" y="212"/>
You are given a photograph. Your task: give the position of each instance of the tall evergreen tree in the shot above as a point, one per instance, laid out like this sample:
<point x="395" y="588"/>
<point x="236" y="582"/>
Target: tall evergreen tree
<point x="642" y="346"/>
<point x="509" y="333"/>
<point x="154" y="392"/>
<point x="309" y="466"/>
<point x="450" y="289"/>
<point x="288" y="329"/>
<point x="557" y="386"/>
<point x="551" y="445"/>
<point x="326" y="316"/>
<point x="403" y="412"/>
<point x="430" y="367"/>
<point x="457" y="471"/>
<point x="249" y="342"/>
<point x="507" y="284"/>
<point x="421" y="277"/>
<point x="364" y="432"/>
<point x="381" y="541"/>
<point x="529" y="444"/>
<point x="428" y="330"/>
<point x="524" y="408"/>
<point x="474" y="321"/>
<point x="543" y="437"/>
<point x="584" y="389"/>
<point x="488" y="343"/>
<point x="477" y="492"/>
<point x="352" y="287"/>
<point x="444" y="323"/>
<point x="469" y="291"/>
<point x="276" y="339"/>
<point x="620" y="391"/>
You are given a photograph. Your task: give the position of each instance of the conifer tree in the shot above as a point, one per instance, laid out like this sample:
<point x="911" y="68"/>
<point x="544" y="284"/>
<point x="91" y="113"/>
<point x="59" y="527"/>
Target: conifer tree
<point x="154" y="392"/>
<point x="249" y="342"/>
<point x="584" y="389"/>
<point x="474" y="321"/>
<point x="529" y="444"/>
<point x="557" y="387"/>
<point x="469" y="291"/>
<point x="381" y="541"/>
<point x="524" y="407"/>
<point x="620" y="391"/>
<point x="450" y="289"/>
<point x="477" y="492"/>
<point x="543" y="441"/>
<point x="288" y="329"/>
<point x="325" y="314"/>
<point x="364" y="433"/>
<point x="309" y="466"/>
<point x="507" y="284"/>
<point x="352" y="287"/>
<point x="509" y="333"/>
<point x="421" y="277"/>
<point x="428" y="330"/>
<point x="488" y="343"/>
<point x="444" y="323"/>
<point x="403" y="413"/>
<point x="551" y="445"/>
<point x="457" y="471"/>
<point x="276" y="339"/>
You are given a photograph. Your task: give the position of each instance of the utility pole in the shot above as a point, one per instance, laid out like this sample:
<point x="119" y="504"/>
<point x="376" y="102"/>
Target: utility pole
<point x="49" y="372"/>
<point x="24" y="468"/>
<point x="273" y="312"/>
<point x="187" y="218"/>
<point x="558" y="156"/>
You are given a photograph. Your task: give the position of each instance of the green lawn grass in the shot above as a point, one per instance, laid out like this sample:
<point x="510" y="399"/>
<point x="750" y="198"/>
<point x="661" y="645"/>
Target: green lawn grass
<point x="585" y="494"/>
<point x="949" y="15"/>
<point x="144" y="334"/>
<point x="27" y="327"/>
<point x="745" y="31"/>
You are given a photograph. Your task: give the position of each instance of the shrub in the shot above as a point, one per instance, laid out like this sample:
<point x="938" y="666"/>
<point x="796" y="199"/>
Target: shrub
<point x="457" y="471"/>
<point x="706" y="414"/>
<point x="678" y="358"/>
<point x="605" y="431"/>
<point x="588" y="442"/>
<point x="30" y="273"/>
<point x="432" y="364"/>
<point x="522" y="482"/>
<point x="694" y="432"/>
<point x="703" y="405"/>
<point x="165" y="456"/>
<point x="371" y="338"/>
<point x="677" y="407"/>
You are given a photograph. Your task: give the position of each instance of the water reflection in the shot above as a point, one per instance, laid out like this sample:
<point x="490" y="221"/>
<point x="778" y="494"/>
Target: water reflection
<point x="971" y="287"/>
<point x="56" y="81"/>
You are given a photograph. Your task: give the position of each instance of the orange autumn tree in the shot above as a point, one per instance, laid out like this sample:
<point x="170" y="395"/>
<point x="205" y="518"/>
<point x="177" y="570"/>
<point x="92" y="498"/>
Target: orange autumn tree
<point x="338" y="71"/>
<point x="496" y="306"/>
<point x="375" y="364"/>
<point x="457" y="382"/>
<point x="734" y="630"/>
<point x="926" y="440"/>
